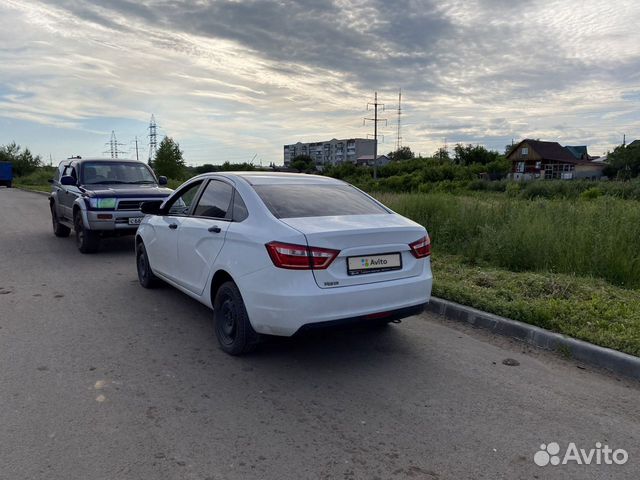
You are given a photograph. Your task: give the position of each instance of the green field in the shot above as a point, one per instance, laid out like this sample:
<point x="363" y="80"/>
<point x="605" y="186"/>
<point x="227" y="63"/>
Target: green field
<point x="571" y="266"/>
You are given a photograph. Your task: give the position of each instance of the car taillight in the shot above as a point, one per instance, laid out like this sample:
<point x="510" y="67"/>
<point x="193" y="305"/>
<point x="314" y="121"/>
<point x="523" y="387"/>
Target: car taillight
<point x="421" y="248"/>
<point x="300" y="257"/>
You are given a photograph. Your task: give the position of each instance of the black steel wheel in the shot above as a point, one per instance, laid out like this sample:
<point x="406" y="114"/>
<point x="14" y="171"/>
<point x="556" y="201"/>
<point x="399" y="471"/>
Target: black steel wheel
<point x="233" y="328"/>
<point x="145" y="275"/>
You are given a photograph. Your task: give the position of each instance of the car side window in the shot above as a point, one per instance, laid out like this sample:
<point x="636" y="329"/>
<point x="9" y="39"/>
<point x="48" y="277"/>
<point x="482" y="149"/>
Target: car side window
<point x="59" y="172"/>
<point x="215" y="201"/>
<point x="240" y="211"/>
<point x="181" y="204"/>
<point x="71" y="171"/>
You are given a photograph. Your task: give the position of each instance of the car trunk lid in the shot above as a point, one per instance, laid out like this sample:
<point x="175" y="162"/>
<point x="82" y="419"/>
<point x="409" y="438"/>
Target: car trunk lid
<point x="378" y="246"/>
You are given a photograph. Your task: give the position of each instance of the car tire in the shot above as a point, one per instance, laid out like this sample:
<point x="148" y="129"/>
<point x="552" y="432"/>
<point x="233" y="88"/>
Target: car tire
<point x="9" y="185"/>
<point x="231" y="321"/>
<point x="87" y="241"/>
<point x="145" y="275"/>
<point x="59" y="230"/>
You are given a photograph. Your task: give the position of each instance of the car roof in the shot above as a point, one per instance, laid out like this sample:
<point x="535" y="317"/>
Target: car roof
<point x="82" y="160"/>
<point x="272" y="178"/>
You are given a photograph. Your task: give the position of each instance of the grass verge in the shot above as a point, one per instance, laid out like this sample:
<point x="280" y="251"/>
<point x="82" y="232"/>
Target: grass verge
<point x="586" y="308"/>
<point x="36" y="188"/>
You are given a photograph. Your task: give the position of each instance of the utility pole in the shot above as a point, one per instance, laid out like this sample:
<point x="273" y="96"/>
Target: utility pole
<point x="399" y="139"/>
<point x="137" y="157"/>
<point x="113" y="146"/>
<point x="375" y="121"/>
<point x="153" y="138"/>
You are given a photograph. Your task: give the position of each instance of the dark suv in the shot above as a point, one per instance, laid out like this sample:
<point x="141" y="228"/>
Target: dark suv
<point x="101" y="197"/>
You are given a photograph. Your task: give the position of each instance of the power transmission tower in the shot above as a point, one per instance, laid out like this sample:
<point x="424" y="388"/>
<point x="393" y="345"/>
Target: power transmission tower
<point x="399" y="138"/>
<point x="113" y="146"/>
<point x="375" y="121"/>
<point x="153" y="138"/>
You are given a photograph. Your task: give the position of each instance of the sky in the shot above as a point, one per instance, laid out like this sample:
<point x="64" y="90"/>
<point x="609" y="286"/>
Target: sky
<point x="236" y="80"/>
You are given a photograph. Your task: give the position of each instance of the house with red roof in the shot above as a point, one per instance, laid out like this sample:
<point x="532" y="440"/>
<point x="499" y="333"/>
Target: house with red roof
<point x="531" y="159"/>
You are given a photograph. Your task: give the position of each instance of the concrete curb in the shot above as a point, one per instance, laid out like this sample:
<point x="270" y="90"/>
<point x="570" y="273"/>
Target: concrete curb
<point x="31" y="191"/>
<point x="588" y="353"/>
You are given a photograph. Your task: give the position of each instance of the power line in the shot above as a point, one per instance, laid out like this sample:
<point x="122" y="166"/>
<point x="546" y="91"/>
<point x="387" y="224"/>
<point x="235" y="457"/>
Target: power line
<point x="113" y="146"/>
<point x="375" y="121"/>
<point x="399" y="138"/>
<point x="153" y="138"/>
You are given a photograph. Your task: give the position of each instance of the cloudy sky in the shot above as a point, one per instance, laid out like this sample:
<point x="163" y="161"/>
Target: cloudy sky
<point x="230" y="80"/>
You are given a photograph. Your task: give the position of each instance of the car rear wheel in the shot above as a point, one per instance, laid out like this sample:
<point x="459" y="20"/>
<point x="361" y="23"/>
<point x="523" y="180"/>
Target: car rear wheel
<point x="233" y="328"/>
<point x="145" y="274"/>
<point x="86" y="240"/>
<point x="59" y="230"/>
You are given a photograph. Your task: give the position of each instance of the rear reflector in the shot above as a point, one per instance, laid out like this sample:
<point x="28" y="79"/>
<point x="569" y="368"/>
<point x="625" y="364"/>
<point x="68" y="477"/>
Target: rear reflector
<point x="421" y="248"/>
<point x="105" y="216"/>
<point x="300" y="257"/>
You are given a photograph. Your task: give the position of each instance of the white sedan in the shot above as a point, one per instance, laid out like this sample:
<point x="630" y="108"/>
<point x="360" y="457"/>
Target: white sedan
<point x="276" y="253"/>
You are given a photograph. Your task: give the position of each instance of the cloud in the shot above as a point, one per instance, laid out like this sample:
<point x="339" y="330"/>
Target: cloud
<point x="231" y="78"/>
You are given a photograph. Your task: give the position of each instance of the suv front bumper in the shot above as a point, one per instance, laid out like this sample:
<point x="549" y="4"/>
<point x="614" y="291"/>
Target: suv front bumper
<point x="110" y="220"/>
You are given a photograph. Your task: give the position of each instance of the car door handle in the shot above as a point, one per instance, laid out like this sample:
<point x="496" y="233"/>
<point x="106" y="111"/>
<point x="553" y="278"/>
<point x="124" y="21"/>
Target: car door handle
<point x="173" y="226"/>
<point x="215" y="229"/>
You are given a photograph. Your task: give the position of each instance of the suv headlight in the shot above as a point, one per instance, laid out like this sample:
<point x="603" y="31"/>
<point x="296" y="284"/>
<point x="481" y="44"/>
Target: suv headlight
<point x="103" y="203"/>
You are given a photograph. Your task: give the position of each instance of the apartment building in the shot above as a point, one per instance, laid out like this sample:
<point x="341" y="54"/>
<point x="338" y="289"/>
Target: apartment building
<point x="331" y="152"/>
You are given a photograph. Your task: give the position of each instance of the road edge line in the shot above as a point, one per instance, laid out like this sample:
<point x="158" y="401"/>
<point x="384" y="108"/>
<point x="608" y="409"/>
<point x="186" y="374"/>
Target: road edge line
<point x="31" y="191"/>
<point x="607" y="358"/>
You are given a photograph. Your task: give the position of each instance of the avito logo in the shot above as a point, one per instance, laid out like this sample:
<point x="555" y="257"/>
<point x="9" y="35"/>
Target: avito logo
<point x="373" y="262"/>
<point x="601" y="455"/>
<point x="380" y="261"/>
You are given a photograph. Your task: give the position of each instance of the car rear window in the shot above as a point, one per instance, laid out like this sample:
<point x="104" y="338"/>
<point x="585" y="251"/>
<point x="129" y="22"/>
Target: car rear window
<point x="295" y="201"/>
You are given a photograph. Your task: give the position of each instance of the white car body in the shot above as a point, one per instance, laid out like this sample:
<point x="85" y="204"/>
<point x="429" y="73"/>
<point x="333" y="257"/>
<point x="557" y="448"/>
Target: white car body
<point x="281" y="301"/>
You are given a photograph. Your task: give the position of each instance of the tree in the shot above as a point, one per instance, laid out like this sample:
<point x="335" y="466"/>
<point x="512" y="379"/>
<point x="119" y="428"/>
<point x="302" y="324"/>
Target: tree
<point x="23" y="161"/>
<point x="169" y="161"/>
<point x="303" y="163"/>
<point x="623" y="162"/>
<point x="469" y="154"/>
<point x="509" y="148"/>
<point x="442" y="154"/>
<point x="403" y="153"/>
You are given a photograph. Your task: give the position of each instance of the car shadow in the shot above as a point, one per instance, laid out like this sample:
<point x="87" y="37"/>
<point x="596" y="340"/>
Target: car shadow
<point x="339" y="347"/>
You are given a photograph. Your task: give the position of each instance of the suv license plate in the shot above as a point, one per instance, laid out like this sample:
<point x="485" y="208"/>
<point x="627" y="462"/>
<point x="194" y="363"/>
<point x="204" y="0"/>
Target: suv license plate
<point x="135" y="221"/>
<point x="373" y="263"/>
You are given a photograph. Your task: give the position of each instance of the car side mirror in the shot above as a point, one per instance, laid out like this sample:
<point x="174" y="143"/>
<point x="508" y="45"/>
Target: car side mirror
<point x="162" y="180"/>
<point x="50" y="180"/>
<point x="151" y="208"/>
<point x="67" y="180"/>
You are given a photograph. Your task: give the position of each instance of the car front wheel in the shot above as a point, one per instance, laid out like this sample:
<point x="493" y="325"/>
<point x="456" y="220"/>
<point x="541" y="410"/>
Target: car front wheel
<point x="233" y="328"/>
<point x="145" y="275"/>
<point x="86" y="240"/>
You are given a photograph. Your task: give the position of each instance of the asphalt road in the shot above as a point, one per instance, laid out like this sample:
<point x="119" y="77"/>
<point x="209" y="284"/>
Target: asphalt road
<point x="101" y="379"/>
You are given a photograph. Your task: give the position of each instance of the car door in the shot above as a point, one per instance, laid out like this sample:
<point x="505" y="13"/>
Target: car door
<point x="68" y="193"/>
<point x="162" y="245"/>
<point x="202" y="234"/>
<point x="56" y="189"/>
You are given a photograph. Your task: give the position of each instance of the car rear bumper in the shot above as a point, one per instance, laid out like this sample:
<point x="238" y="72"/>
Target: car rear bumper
<point x="281" y="302"/>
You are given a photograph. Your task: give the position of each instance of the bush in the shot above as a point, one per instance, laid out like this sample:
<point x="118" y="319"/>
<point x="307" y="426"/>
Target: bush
<point x="591" y="193"/>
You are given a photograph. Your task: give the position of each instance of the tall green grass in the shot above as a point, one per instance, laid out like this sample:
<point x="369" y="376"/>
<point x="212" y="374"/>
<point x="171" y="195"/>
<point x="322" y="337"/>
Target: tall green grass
<point x="598" y="237"/>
